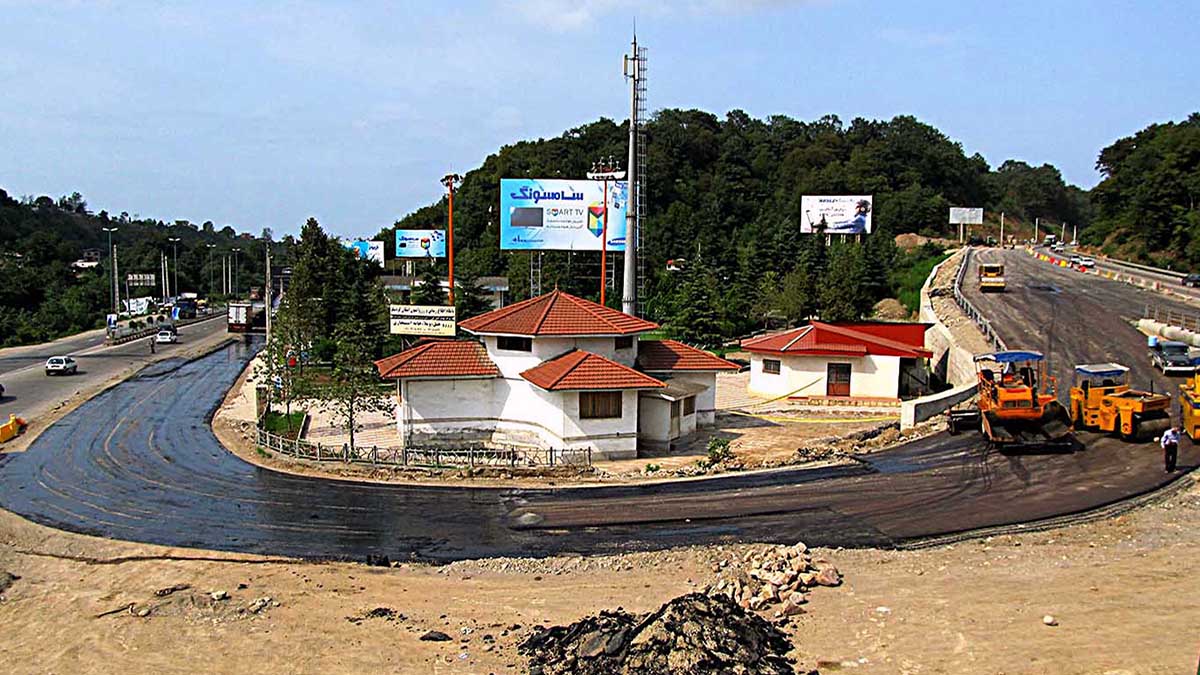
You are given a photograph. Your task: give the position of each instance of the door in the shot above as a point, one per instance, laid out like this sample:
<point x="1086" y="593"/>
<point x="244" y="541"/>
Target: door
<point x="674" y="433"/>
<point x="837" y="379"/>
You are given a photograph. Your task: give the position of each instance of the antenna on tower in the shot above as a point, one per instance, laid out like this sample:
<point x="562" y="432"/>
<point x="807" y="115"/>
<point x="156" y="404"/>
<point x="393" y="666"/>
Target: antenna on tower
<point x="634" y="271"/>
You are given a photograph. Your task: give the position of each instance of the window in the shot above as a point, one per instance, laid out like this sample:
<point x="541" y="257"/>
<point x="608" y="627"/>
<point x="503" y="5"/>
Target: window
<point x="625" y="342"/>
<point x="509" y="343"/>
<point x="771" y="366"/>
<point x="595" y="405"/>
<point x="689" y="405"/>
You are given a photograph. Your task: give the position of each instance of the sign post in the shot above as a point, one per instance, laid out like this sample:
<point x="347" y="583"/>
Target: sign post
<point x="605" y="171"/>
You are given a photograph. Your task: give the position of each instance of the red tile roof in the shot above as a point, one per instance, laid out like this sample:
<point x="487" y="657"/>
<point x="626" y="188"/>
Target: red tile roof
<point x="578" y="369"/>
<point x="826" y="339"/>
<point x="556" y="314"/>
<point x="667" y="355"/>
<point x="439" y="358"/>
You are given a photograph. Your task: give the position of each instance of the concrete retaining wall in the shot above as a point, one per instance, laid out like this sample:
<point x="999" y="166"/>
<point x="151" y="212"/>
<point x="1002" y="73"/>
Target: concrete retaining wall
<point x="918" y="410"/>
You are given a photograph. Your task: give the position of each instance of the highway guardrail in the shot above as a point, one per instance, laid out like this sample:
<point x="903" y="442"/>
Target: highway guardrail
<point x="969" y="309"/>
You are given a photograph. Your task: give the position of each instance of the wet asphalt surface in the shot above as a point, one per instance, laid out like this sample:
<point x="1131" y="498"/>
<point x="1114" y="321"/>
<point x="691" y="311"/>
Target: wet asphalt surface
<point x="139" y="462"/>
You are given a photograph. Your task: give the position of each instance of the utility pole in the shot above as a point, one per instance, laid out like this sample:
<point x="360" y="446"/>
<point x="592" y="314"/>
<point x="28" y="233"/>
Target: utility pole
<point x="1036" y="222"/>
<point x="112" y="265"/>
<point x="210" y="248"/>
<point x="1074" y="235"/>
<point x="1064" y="237"/>
<point x="236" y="269"/>
<point x="269" y="292"/>
<point x="1001" y="229"/>
<point x="605" y="171"/>
<point x="449" y="180"/>
<point x="175" y="255"/>
<point x="116" y="275"/>
<point x="633" y="72"/>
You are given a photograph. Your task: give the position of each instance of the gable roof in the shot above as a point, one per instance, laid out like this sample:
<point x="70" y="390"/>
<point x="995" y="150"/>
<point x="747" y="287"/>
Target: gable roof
<point x="826" y="339"/>
<point x="439" y="358"/>
<point x="578" y="369"/>
<point x="671" y="355"/>
<point x="556" y="314"/>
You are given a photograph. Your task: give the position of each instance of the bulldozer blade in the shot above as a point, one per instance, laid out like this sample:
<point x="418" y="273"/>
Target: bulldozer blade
<point x="1056" y="422"/>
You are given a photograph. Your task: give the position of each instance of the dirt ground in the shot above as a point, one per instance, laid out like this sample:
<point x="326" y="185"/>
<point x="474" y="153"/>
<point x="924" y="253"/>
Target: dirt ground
<point x="1122" y="591"/>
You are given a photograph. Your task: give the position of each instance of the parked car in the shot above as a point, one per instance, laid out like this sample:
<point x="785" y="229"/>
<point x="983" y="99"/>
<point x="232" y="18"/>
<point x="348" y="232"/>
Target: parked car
<point x="1192" y="280"/>
<point x="1171" y="357"/>
<point x="61" y="365"/>
<point x="166" y="337"/>
<point x="1075" y="260"/>
<point x="1087" y="262"/>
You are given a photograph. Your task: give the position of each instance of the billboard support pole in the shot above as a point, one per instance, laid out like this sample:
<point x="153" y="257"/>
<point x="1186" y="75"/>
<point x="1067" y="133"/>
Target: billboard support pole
<point x="606" y="171"/>
<point x="449" y="180"/>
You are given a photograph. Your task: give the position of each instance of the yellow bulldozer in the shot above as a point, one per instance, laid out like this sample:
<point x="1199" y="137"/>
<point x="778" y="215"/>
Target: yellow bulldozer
<point x="1103" y="400"/>
<point x="1017" y="408"/>
<point x="1189" y="404"/>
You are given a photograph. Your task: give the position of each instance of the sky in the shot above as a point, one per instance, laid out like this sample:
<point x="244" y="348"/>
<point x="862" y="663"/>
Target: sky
<point x="262" y="114"/>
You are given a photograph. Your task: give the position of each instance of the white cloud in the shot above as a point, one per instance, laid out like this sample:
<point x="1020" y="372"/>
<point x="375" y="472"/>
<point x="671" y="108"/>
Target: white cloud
<point x="570" y="15"/>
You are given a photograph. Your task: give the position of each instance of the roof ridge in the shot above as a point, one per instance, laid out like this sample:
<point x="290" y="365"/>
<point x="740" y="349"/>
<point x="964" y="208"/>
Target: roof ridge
<point x="502" y="312"/>
<point x="551" y="298"/>
<point x="583" y="304"/>
<point x="801" y="331"/>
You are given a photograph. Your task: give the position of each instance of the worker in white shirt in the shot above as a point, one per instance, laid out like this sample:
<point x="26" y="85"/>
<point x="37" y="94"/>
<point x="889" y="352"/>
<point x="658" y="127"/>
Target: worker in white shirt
<point x="1170" y="446"/>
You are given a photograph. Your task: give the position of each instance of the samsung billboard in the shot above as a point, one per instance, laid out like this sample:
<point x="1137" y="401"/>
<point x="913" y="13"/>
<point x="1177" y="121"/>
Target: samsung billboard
<point x="538" y="214"/>
<point x="420" y="243"/>
<point x="845" y="214"/>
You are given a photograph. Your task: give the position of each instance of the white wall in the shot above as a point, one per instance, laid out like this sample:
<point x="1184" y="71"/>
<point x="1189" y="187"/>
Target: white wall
<point x="512" y="364"/>
<point x="654" y="419"/>
<point x="706" y="401"/>
<point x="870" y="376"/>
<point x="615" y="438"/>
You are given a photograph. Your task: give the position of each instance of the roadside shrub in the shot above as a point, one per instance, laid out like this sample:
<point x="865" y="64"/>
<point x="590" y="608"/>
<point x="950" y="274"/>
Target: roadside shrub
<point x="718" y="450"/>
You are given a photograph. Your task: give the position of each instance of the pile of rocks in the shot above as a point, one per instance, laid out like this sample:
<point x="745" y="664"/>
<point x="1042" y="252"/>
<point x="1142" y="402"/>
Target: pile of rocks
<point x="694" y="634"/>
<point x="779" y="577"/>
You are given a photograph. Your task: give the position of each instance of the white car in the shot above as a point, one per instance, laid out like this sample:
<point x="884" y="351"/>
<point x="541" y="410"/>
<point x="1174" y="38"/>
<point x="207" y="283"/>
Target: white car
<point x="61" y="365"/>
<point x="1087" y="262"/>
<point x="1075" y="260"/>
<point x="166" y="337"/>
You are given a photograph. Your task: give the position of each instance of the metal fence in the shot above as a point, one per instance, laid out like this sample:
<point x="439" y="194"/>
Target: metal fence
<point x="969" y="309"/>
<point x="426" y="456"/>
<point x="1173" y="317"/>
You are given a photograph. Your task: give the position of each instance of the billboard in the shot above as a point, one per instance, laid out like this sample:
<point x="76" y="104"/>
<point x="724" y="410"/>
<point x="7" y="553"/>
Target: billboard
<point x="538" y="214"/>
<point x="845" y="214"/>
<point x="422" y="319"/>
<point x="140" y="279"/>
<point x="368" y="250"/>
<point x="965" y="216"/>
<point x="420" y="243"/>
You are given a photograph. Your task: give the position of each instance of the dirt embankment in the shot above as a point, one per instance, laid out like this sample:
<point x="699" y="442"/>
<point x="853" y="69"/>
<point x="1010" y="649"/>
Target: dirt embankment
<point x="941" y="295"/>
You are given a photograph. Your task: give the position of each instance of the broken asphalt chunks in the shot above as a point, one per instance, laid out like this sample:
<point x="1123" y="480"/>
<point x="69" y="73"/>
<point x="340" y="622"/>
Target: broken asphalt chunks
<point x="696" y="634"/>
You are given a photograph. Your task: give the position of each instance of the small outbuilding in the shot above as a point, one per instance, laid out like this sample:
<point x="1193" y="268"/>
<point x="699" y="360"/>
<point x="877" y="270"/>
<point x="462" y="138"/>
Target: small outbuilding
<point x="871" y="360"/>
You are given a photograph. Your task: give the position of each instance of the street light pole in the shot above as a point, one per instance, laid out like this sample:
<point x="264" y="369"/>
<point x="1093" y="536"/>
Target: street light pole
<point x="449" y="180"/>
<point x="175" y="255"/>
<point x="112" y="264"/>
<point x="605" y="171"/>
<point x="235" y="271"/>
<point x="210" y="248"/>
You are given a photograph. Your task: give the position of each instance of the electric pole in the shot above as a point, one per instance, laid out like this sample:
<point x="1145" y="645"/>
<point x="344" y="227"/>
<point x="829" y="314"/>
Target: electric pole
<point x="235" y="271"/>
<point x="112" y="268"/>
<point x="449" y="180"/>
<point x="175" y="260"/>
<point x="605" y="171"/>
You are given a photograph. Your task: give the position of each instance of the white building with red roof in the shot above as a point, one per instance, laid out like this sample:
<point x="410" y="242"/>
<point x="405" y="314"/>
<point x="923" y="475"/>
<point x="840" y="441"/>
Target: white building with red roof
<point x="842" y="360"/>
<point x="555" y="371"/>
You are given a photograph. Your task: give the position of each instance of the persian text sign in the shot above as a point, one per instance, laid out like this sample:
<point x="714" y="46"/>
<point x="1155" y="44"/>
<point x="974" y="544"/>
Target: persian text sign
<point x="420" y="243"/>
<point x="539" y="214"/>
<point x="844" y="214"/>
<point x="965" y="216"/>
<point x="139" y="279"/>
<point x="422" y="320"/>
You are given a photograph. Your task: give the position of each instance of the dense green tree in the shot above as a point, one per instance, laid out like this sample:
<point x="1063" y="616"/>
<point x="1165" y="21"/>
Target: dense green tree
<point x="353" y="387"/>
<point x="469" y="297"/>
<point x="428" y="289"/>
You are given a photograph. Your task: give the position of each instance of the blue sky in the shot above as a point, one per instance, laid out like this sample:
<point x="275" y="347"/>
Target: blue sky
<point x="262" y="114"/>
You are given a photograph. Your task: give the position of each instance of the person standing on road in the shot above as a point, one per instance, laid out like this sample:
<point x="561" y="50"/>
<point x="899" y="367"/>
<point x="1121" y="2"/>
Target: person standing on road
<point x="151" y="345"/>
<point x="1170" y="446"/>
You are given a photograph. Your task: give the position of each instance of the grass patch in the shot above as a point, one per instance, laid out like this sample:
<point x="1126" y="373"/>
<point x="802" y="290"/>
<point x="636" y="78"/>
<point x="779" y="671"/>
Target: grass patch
<point x="910" y="273"/>
<point x="280" y="424"/>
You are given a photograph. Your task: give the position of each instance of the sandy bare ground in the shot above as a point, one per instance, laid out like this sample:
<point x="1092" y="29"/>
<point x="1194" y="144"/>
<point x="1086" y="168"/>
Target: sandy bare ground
<point x="1123" y="591"/>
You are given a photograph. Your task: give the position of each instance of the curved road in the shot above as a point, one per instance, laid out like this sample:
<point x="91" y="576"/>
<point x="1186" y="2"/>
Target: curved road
<point x="139" y="462"/>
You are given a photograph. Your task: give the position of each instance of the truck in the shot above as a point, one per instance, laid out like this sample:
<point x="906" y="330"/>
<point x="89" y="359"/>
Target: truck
<point x="239" y="317"/>
<point x="1170" y="357"/>
<point x="1050" y="240"/>
<point x="991" y="277"/>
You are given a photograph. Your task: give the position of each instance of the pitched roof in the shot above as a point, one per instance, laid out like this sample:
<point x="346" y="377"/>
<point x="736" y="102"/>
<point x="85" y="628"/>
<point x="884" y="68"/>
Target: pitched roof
<point x="825" y="339"/>
<point x="578" y="369"/>
<point x="556" y="314"/>
<point x="439" y="358"/>
<point x="668" y="355"/>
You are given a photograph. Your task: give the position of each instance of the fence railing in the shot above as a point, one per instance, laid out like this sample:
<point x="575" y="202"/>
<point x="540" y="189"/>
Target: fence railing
<point x="969" y="309"/>
<point x="1173" y="317"/>
<point x="426" y="456"/>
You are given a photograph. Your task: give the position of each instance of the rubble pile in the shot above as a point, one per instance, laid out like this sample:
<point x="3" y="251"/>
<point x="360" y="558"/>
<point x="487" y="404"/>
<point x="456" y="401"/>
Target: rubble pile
<point x="779" y="577"/>
<point x="695" y="634"/>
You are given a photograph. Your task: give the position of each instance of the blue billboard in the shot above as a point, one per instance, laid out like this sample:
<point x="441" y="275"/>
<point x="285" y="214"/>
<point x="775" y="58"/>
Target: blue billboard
<point x="420" y="243"/>
<point x="538" y="214"/>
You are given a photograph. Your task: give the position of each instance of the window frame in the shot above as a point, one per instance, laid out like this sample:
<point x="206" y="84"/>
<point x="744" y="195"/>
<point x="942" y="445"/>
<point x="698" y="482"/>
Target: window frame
<point x="526" y="343"/>
<point x="623" y="342"/>
<point x="593" y="410"/>
<point x="768" y="364"/>
<point x="689" y="406"/>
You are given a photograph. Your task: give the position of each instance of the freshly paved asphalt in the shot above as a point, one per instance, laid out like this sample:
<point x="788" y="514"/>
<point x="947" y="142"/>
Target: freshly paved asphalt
<point x="139" y="462"/>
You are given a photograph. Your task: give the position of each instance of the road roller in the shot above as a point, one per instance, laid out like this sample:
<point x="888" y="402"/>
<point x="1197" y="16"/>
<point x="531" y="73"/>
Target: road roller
<point x="1103" y="400"/>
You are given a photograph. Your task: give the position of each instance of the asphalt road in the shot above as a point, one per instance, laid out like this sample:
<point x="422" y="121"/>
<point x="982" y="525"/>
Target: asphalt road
<point x="139" y="462"/>
<point x="29" y="392"/>
<point x="1169" y="281"/>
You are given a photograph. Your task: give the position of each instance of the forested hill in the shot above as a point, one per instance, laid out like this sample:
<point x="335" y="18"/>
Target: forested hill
<point x="42" y="296"/>
<point x="725" y="194"/>
<point x="1146" y="205"/>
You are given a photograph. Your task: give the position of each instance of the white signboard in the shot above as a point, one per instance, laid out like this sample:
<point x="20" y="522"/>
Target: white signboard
<point x="965" y="216"/>
<point x="137" y="306"/>
<point x="140" y="279"/>
<point x="836" y="214"/>
<point x="422" y="320"/>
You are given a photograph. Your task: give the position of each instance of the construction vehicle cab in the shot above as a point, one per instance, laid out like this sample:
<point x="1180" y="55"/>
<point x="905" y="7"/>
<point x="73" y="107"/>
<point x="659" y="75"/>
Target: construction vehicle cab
<point x="1189" y="404"/>
<point x="1103" y="400"/>
<point x="1017" y="405"/>
<point x="991" y="277"/>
